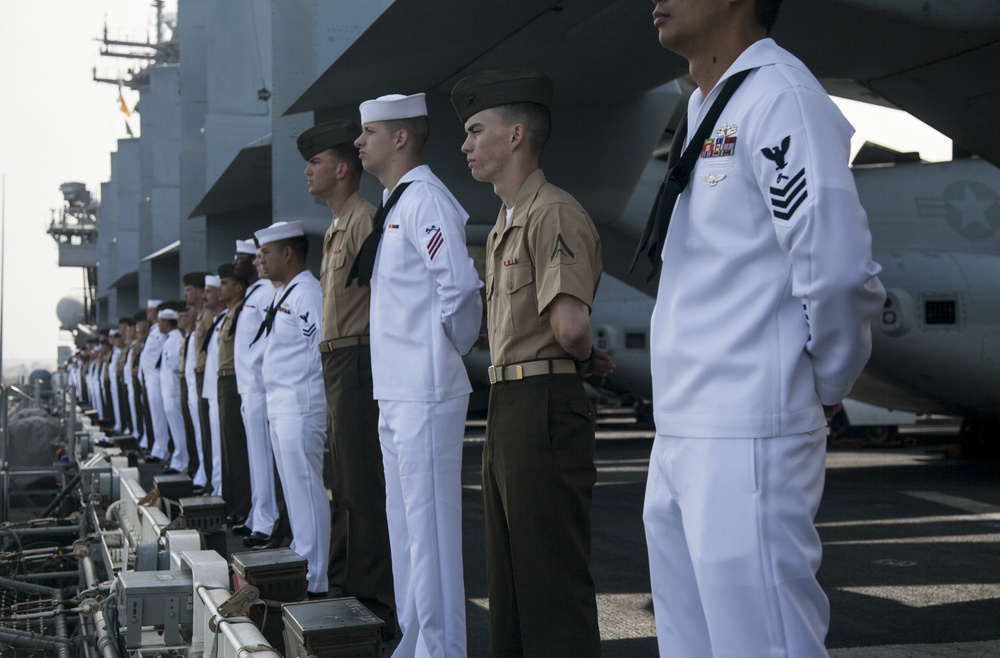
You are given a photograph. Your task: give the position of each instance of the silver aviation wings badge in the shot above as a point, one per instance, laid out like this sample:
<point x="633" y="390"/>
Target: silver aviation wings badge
<point x="712" y="179"/>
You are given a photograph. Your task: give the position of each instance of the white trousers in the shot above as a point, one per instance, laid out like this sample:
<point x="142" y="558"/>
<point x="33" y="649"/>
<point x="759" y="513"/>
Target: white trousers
<point x="422" y="455"/>
<point x="116" y="406"/>
<point x="200" y="478"/>
<point x="263" y="508"/>
<point x="215" y="427"/>
<point x="298" y="441"/>
<point x="733" y="552"/>
<point x="175" y="421"/>
<point x="130" y="394"/>
<point x="154" y="398"/>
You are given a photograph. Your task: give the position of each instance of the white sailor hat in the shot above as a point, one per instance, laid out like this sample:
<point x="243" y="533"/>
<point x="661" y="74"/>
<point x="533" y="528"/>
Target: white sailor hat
<point x="113" y="332"/>
<point x="280" y="231"/>
<point x="153" y="303"/>
<point x="212" y="280"/>
<point x="246" y="247"/>
<point x="166" y="314"/>
<point x="393" y="106"/>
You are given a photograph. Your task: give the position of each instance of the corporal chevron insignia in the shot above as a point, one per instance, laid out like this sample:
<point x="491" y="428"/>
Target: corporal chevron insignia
<point x="786" y="200"/>
<point x="562" y="252"/>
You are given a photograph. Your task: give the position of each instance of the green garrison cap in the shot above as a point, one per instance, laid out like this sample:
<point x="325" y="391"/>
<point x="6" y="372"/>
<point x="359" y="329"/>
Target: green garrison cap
<point x="196" y="279"/>
<point x="327" y="135"/>
<point x="482" y="91"/>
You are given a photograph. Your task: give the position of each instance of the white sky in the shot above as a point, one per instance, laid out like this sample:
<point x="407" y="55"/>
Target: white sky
<point x="57" y="125"/>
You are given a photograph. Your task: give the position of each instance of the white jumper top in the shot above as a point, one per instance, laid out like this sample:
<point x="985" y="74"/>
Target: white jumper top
<point x="425" y="308"/>
<point x="768" y="286"/>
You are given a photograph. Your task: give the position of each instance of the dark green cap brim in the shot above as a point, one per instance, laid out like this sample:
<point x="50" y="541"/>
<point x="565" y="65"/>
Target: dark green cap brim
<point x="481" y="91"/>
<point x="325" y="136"/>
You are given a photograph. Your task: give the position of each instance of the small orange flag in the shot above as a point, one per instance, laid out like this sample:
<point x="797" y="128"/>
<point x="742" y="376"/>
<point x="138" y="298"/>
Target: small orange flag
<point x="123" y="106"/>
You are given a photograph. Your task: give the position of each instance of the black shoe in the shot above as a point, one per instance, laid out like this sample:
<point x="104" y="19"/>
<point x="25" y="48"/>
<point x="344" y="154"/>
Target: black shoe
<point x="257" y="540"/>
<point x="235" y="519"/>
<point x="153" y="460"/>
<point x="273" y="543"/>
<point x="197" y="491"/>
<point x="170" y="471"/>
<point x="242" y="530"/>
<point x="314" y="596"/>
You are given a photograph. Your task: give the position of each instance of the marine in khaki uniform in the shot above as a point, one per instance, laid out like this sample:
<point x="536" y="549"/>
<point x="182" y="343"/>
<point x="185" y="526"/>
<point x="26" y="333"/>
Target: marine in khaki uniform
<point x="194" y="295"/>
<point x="132" y="374"/>
<point x="360" y="561"/>
<point x="126" y="326"/>
<point x="106" y="412"/>
<point x="194" y="289"/>
<point x="232" y="434"/>
<point x="543" y="264"/>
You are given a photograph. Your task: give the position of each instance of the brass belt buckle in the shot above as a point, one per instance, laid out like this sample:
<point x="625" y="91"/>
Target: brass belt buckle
<point x="519" y="373"/>
<point x="492" y="371"/>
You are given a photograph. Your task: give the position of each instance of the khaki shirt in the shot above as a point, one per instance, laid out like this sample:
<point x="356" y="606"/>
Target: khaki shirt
<point x="345" y="310"/>
<point x="226" y="339"/>
<point x="120" y="364"/>
<point x="202" y="326"/>
<point x="105" y="364"/>
<point x="136" y="348"/>
<point x="550" y="246"/>
<point x="184" y="345"/>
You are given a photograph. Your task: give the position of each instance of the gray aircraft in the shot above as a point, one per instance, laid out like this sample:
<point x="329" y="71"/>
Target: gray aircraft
<point x="936" y="346"/>
<point x="619" y="94"/>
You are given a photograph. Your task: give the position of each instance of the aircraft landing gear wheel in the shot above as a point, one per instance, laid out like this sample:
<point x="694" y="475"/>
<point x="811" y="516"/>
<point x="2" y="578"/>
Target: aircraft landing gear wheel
<point x="979" y="437"/>
<point x="880" y="434"/>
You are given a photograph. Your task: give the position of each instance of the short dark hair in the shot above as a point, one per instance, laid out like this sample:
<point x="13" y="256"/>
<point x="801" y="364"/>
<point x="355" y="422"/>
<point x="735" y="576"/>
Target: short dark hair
<point x="299" y="244"/>
<point x="243" y="267"/>
<point x="418" y="128"/>
<point x="536" y="119"/>
<point x="130" y="322"/>
<point x="140" y="316"/>
<point x="349" y="154"/>
<point x="767" y="12"/>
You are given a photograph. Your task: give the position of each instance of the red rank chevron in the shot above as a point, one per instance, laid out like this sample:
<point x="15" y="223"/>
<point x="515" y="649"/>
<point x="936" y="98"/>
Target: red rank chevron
<point x="434" y="244"/>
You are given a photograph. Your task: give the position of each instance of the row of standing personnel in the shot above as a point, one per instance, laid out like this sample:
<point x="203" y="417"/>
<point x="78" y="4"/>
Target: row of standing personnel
<point x="762" y="325"/>
<point x="146" y="378"/>
<point x="761" y="328"/>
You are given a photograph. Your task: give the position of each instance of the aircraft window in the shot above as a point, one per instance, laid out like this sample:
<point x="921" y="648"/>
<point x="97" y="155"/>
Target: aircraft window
<point x="635" y="341"/>
<point x="939" y="312"/>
